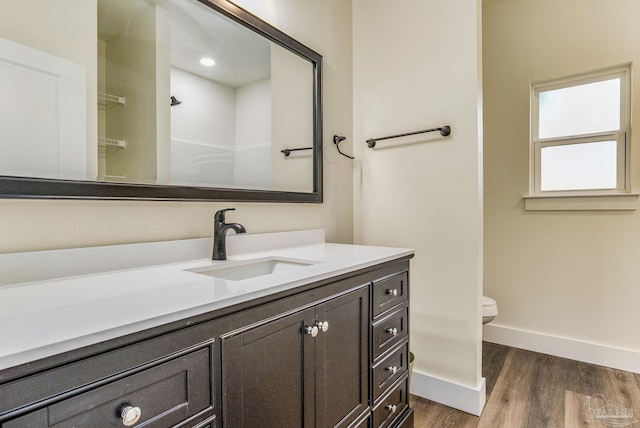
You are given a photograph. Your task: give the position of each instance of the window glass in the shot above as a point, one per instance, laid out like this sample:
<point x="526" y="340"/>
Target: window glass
<point x="579" y="166"/>
<point x="579" y="110"/>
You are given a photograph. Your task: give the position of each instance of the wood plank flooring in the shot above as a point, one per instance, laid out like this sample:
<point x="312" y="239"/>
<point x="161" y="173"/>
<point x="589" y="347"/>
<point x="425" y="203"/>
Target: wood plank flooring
<point x="530" y="390"/>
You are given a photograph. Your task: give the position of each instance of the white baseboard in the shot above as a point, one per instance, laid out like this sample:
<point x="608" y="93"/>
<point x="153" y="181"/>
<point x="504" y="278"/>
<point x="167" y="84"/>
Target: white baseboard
<point x="452" y="394"/>
<point x="594" y="353"/>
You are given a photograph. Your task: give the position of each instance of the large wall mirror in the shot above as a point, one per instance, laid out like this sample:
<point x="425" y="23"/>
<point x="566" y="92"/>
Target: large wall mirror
<point x="179" y="100"/>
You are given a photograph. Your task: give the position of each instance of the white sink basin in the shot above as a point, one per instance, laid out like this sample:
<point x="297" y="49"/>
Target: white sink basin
<point x="239" y="270"/>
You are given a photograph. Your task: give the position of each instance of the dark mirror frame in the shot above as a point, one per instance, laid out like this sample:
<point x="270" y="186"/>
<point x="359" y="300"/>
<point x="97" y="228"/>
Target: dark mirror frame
<point x="40" y="188"/>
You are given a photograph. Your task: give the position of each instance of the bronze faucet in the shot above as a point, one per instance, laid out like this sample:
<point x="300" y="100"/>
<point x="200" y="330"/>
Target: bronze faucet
<point x="220" y="229"/>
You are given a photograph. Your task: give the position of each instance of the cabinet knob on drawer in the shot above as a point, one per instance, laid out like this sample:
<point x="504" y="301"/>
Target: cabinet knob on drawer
<point x="322" y="325"/>
<point x="392" y="369"/>
<point x="391" y="407"/>
<point x="130" y="415"/>
<point x="392" y="292"/>
<point x="311" y="330"/>
<point x="392" y="331"/>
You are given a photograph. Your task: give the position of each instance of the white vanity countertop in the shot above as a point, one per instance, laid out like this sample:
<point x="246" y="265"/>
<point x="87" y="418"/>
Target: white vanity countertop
<point x="43" y="318"/>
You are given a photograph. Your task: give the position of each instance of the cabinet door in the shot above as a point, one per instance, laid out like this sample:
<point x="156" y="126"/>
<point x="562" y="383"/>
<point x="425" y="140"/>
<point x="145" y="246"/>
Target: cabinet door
<point x="268" y="375"/>
<point x="342" y="360"/>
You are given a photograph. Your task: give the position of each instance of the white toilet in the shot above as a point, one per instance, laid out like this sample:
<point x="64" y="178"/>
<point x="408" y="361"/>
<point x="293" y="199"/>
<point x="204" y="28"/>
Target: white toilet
<point x="489" y="309"/>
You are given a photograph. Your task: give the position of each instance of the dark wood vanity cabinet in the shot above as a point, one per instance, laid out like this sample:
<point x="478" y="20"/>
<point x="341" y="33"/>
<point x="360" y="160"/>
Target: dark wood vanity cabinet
<point x="328" y="354"/>
<point x="306" y="369"/>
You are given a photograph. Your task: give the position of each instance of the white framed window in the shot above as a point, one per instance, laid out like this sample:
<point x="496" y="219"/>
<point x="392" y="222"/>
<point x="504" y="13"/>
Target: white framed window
<point x="580" y="134"/>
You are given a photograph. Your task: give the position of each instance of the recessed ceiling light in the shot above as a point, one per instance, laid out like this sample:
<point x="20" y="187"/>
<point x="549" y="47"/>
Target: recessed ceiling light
<point x="207" y="62"/>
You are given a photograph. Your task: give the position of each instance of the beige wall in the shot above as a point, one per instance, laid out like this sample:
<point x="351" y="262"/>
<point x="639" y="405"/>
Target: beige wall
<point x="37" y="225"/>
<point x="417" y="67"/>
<point x="291" y="101"/>
<point x="567" y="274"/>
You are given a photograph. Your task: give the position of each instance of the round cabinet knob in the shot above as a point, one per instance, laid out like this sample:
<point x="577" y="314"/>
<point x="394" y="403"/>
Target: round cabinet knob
<point x="392" y="369"/>
<point x="391" y="407"/>
<point x="130" y="415"/>
<point x="392" y="292"/>
<point x="392" y="331"/>
<point x="322" y="325"/>
<point x="311" y="331"/>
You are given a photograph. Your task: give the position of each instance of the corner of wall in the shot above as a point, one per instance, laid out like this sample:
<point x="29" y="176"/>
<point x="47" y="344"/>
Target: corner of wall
<point x="452" y="394"/>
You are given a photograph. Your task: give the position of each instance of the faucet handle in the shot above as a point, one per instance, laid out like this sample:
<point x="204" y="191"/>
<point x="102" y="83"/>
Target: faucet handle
<point x="219" y="217"/>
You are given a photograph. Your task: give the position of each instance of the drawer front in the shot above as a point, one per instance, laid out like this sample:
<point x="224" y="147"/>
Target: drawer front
<point x="47" y="385"/>
<point x="392" y="406"/>
<point x="390" y="330"/>
<point x="406" y="421"/>
<point x="208" y="423"/>
<point x="362" y="424"/>
<point x="389" y="370"/>
<point x="166" y="394"/>
<point x="389" y="292"/>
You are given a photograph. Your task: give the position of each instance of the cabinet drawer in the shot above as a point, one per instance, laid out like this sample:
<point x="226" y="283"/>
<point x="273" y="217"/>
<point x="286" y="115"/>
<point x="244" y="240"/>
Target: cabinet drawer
<point x="391" y="406"/>
<point x="209" y="423"/>
<point x="390" y="330"/>
<point x="389" y="370"/>
<point x="46" y="387"/>
<point x="364" y="423"/>
<point x="389" y="292"/>
<point x="166" y="394"/>
<point x="405" y="421"/>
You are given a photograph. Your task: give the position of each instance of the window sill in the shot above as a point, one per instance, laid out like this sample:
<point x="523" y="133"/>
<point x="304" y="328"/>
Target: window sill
<point x="594" y="202"/>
